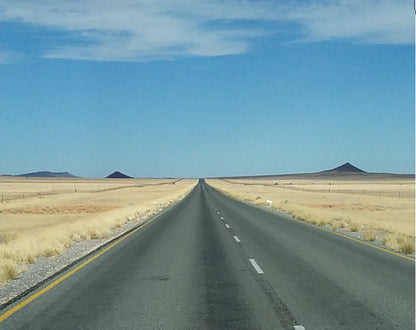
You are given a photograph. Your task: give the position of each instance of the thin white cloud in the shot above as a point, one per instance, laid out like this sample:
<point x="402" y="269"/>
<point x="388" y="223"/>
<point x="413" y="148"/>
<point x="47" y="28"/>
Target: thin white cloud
<point x="366" y="21"/>
<point x="8" y="57"/>
<point x="134" y="30"/>
<point x="108" y="30"/>
<point x="4" y="57"/>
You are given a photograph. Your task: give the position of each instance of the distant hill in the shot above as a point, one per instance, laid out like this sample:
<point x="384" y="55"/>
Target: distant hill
<point x="346" y="168"/>
<point x="345" y="171"/>
<point x="118" y="175"/>
<point x="47" y="174"/>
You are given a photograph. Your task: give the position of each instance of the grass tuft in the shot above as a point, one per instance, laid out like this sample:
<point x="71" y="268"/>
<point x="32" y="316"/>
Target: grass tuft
<point x="337" y="223"/>
<point x="50" y="252"/>
<point x="313" y="221"/>
<point x="8" y="271"/>
<point x="406" y="244"/>
<point x="354" y="227"/>
<point x="369" y="235"/>
<point x="30" y="259"/>
<point x="322" y="222"/>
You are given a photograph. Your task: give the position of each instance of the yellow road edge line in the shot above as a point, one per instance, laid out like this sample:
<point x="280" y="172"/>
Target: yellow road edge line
<point x="63" y="277"/>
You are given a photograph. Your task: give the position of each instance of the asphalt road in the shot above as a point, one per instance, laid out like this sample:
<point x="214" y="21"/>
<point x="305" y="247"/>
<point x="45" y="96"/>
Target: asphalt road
<point x="212" y="262"/>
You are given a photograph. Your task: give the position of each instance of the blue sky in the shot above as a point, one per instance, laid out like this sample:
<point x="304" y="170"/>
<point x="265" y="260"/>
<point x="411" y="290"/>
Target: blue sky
<point x="206" y="88"/>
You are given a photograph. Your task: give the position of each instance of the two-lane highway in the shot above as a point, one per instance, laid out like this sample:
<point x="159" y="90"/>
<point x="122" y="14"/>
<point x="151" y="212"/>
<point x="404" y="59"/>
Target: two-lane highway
<point x="212" y="262"/>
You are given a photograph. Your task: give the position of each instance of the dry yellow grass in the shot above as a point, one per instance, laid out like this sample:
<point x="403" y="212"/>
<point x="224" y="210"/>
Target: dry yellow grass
<point x="43" y="217"/>
<point x="378" y="209"/>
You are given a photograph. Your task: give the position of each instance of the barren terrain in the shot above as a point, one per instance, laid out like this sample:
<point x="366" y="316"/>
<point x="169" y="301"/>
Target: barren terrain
<point x="377" y="209"/>
<point x="44" y="216"/>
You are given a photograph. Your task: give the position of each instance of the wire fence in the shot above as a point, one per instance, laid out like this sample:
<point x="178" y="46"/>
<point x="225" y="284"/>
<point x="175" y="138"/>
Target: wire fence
<point x="405" y="193"/>
<point x="24" y="195"/>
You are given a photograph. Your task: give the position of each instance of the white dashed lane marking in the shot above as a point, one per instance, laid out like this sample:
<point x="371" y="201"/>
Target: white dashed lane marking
<point x="227" y="226"/>
<point x="237" y="239"/>
<point x="258" y="269"/>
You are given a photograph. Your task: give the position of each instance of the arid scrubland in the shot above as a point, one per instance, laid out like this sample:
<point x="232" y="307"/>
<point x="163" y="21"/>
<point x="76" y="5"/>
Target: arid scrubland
<point x="376" y="209"/>
<point x="44" y="216"/>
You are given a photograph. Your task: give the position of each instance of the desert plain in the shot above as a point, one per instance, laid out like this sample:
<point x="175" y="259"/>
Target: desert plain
<point x="44" y="216"/>
<point x="375" y="208"/>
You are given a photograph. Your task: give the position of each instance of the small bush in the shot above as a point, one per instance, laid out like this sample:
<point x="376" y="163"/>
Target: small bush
<point x="93" y="233"/>
<point x="369" y="235"/>
<point x="322" y="222"/>
<point x="30" y="259"/>
<point x="336" y="223"/>
<point x="385" y="239"/>
<point x="8" y="271"/>
<point x="354" y="227"/>
<point x="406" y="244"/>
<point x="407" y="247"/>
<point x="50" y="252"/>
<point x="401" y="239"/>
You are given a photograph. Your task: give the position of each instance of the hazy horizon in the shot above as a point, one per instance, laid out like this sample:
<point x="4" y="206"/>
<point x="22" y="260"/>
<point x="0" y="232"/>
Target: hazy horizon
<point x="248" y="175"/>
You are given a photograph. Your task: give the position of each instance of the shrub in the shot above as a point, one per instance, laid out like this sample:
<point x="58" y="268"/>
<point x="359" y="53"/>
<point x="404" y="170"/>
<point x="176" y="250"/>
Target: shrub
<point x="322" y="222"/>
<point x="369" y="235"/>
<point x="337" y="223"/>
<point x="8" y="270"/>
<point x="354" y="227"/>
<point x="407" y="246"/>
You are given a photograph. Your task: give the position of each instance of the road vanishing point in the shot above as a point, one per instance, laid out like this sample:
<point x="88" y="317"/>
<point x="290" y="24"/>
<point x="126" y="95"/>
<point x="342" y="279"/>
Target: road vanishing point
<point x="211" y="262"/>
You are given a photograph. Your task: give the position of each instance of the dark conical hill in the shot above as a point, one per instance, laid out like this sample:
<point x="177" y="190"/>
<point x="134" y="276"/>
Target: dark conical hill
<point x="347" y="167"/>
<point x="118" y="175"/>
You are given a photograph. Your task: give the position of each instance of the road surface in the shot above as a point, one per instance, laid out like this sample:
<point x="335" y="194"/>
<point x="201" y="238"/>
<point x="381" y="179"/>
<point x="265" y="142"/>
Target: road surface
<point x="211" y="262"/>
